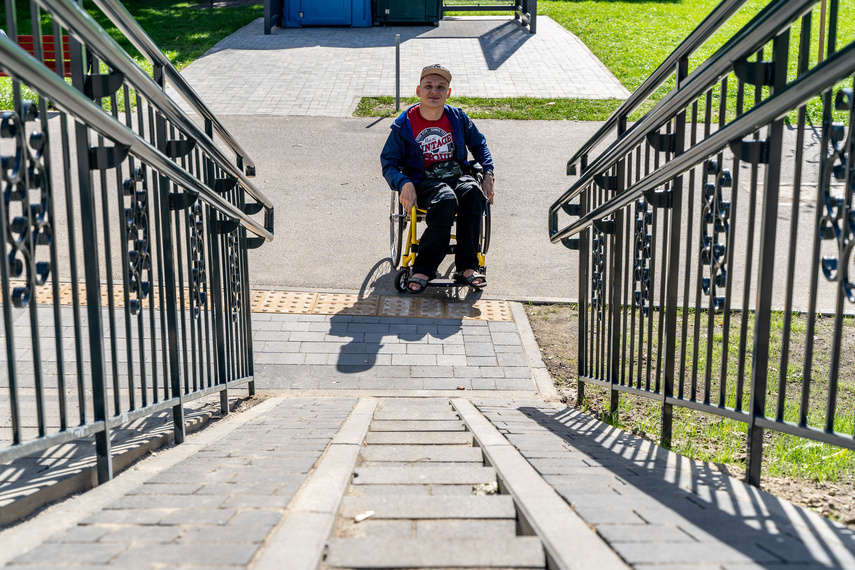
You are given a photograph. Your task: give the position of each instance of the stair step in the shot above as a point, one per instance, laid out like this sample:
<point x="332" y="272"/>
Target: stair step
<point x="422" y="453"/>
<point x="419" y="438"/>
<point x="484" y="552"/>
<point x="423" y="475"/>
<point x="408" y="507"/>
<point x="444" y="414"/>
<point x="392" y="529"/>
<point x="416" y="425"/>
<point x="412" y="490"/>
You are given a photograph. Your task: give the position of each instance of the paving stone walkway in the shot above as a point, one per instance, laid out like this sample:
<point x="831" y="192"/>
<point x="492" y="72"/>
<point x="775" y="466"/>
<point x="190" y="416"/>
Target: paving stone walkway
<point x="213" y="508"/>
<point x="657" y="509"/>
<point x="343" y="352"/>
<point x="324" y="71"/>
<point x="282" y="484"/>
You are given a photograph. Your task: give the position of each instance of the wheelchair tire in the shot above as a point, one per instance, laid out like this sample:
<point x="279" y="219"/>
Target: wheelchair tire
<point x="401" y="278"/>
<point x="485" y="230"/>
<point x="397" y="227"/>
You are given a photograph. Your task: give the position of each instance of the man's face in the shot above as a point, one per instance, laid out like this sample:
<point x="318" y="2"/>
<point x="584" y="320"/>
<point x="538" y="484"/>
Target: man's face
<point x="433" y="91"/>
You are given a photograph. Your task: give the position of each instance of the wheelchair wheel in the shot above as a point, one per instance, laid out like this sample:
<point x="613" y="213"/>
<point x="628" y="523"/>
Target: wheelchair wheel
<point x="485" y="230"/>
<point x="401" y="278"/>
<point x="397" y="227"/>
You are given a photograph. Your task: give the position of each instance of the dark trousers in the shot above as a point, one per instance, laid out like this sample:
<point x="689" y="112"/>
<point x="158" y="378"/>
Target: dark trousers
<point x="442" y="200"/>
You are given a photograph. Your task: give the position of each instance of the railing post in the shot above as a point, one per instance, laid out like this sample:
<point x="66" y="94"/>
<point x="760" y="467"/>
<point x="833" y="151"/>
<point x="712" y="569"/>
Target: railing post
<point x="582" y="332"/>
<point x="615" y="280"/>
<point x="169" y="287"/>
<point x="91" y="247"/>
<point x="673" y="264"/>
<point x="532" y="26"/>
<point x="769" y="220"/>
<point x="216" y="285"/>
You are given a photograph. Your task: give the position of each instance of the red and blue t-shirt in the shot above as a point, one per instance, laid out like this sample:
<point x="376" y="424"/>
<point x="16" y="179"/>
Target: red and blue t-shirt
<point x="435" y="137"/>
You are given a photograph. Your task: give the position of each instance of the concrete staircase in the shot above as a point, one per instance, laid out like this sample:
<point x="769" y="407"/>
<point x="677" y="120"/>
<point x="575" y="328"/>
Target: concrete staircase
<point x="419" y="474"/>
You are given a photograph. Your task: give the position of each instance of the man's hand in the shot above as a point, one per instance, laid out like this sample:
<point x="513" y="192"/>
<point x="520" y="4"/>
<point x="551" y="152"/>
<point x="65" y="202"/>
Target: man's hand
<point x="408" y="196"/>
<point x="487" y="186"/>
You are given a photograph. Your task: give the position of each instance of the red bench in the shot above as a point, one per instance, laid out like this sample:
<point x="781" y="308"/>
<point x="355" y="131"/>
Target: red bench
<point x="49" y="50"/>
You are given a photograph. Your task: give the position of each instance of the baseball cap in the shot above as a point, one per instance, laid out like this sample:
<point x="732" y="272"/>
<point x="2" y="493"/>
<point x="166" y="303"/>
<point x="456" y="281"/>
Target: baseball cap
<point x="436" y="69"/>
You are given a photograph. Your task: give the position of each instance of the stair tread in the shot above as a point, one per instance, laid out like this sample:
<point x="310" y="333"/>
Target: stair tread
<point x="437" y="552"/>
<point x="422" y="453"/>
<point x="422" y="475"/>
<point x="416" y="425"/>
<point x="432" y="507"/>
<point x="418" y="437"/>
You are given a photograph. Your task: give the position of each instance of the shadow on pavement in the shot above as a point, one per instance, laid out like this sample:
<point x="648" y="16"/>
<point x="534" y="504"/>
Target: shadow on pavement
<point x="500" y="43"/>
<point x="360" y="353"/>
<point x="635" y="492"/>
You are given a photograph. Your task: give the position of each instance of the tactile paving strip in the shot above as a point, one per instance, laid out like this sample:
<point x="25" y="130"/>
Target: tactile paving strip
<point x="344" y="304"/>
<point x="305" y="303"/>
<point x="283" y="302"/>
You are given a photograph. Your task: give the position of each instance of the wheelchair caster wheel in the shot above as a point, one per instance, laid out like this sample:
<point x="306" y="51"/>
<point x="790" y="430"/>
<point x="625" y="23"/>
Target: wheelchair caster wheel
<point x="401" y="278"/>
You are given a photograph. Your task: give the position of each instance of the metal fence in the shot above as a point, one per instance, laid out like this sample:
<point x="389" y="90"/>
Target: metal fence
<point x="715" y="234"/>
<point x="126" y="229"/>
<point x="524" y="10"/>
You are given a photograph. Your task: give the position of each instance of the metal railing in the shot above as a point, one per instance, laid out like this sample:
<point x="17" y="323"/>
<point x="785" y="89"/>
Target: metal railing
<point x="126" y="230"/>
<point x="690" y="290"/>
<point x="524" y="10"/>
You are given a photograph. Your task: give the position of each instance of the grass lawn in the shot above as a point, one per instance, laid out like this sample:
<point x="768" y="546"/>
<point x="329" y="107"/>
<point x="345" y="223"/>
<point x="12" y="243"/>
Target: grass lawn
<point x="181" y="30"/>
<point x="631" y="38"/>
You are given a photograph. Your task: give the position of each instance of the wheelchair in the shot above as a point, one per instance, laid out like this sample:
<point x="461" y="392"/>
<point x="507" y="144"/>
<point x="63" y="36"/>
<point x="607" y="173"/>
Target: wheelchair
<point x="404" y="239"/>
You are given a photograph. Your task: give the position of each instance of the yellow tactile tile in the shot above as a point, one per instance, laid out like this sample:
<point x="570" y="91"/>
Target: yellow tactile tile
<point x="305" y="303"/>
<point x="283" y="302"/>
<point x="345" y="304"/>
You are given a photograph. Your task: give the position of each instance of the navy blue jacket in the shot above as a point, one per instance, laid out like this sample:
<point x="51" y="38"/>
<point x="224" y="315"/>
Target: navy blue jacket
<point x="402" y="158"/>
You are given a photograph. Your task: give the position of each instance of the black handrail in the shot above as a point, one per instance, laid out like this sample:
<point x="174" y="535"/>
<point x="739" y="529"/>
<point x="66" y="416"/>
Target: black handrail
<point x="709" y="26"/>
<point x="680" y="242"/>
<point x="82" y="26"/>
<point x="754" y="35"/>
<point x="18" y="63"/>
<point x="126" y="23"/>
<point x="141" y="220"/>
<point x="837" y="67"/>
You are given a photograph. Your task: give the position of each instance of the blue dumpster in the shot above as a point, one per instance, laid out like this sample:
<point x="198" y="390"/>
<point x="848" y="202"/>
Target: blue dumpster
<point x="354" y="13"/>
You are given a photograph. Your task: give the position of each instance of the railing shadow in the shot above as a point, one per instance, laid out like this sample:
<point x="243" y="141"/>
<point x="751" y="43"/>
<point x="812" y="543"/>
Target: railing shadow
<point x="382" y="36"/>
<point x="705" y="503"/>
<point x="500" y="43"/>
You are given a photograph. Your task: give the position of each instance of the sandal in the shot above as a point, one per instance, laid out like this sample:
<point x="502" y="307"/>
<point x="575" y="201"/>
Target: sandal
<point x="422" y="283"/>
<point x="472" y="278"/>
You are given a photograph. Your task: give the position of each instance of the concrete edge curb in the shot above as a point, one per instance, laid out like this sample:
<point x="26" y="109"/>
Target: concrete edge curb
<point x="58" y="518"/>
<point x="299" y="540"/>
<point x="541" y="508"/>
<point x="541" y="376"/>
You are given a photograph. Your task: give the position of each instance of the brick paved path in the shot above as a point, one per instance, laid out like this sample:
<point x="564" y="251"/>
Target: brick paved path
<point x="280" y="484"/>
<point x="323" y="71"/>
<point x="385" y="353"/>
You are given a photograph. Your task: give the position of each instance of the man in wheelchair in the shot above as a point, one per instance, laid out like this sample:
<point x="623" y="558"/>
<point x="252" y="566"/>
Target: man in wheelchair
<point x="424" y="159"/>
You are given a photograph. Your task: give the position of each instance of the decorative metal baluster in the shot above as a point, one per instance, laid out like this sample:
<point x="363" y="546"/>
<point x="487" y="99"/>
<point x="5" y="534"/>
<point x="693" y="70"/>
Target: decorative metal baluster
<point x="26" y="189"/>
<point x="838" y="224"/>
<point x="137" y="236"/>
<point x="715" y="228"/>
<point x="198" y="272"/>
<point x="641" y="268"/>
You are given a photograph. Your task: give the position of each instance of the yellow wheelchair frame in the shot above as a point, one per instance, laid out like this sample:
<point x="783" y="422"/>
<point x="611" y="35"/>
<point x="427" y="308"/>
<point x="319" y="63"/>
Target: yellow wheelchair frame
<point x="404" y="244"/>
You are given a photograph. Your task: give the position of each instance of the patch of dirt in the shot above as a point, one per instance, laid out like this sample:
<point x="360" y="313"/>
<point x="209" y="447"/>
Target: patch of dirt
<point x="555" y="328"/>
